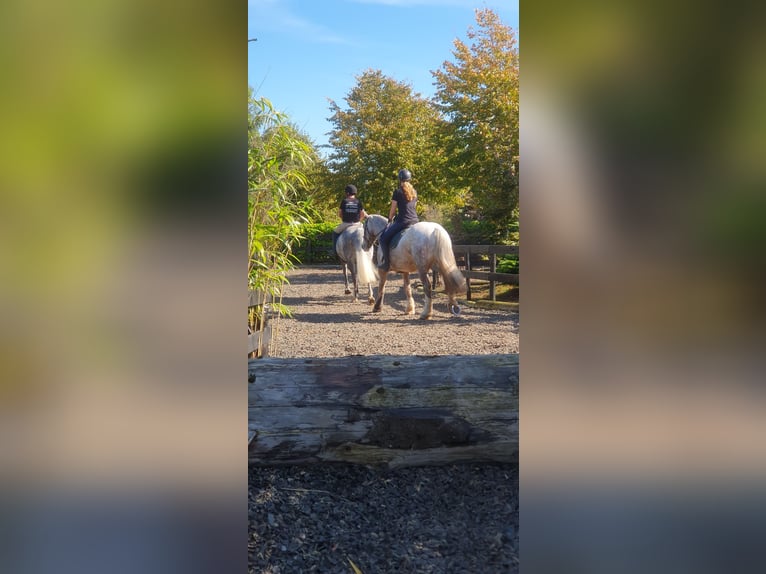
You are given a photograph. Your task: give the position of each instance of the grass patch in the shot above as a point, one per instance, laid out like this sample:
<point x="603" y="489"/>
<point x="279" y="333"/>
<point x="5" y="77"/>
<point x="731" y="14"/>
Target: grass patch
<point x="503" y="291"/>
<point x="506" y="295"/>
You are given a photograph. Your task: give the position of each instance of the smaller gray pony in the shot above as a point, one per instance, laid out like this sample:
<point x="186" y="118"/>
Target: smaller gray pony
<point x="420" y="247"/>
<point x="357" y="260"/>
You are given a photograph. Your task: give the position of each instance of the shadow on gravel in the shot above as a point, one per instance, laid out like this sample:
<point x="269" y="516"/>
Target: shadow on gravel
<point x="394" y="315"/>
<point x="322" y="318"/>
<point x="333" y="301"/>
<point x="403" y="319"/>
<point x="316" y="278"/>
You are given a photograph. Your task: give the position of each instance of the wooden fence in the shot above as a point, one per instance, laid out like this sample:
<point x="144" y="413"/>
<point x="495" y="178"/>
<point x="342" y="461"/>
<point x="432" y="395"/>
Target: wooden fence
<point x="463" y="254"/>
<point x="258" y="339"/>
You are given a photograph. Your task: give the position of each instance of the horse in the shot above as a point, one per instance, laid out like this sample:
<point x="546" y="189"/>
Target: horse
<point x="357" y="260"/>
<point x="419" y="247"/>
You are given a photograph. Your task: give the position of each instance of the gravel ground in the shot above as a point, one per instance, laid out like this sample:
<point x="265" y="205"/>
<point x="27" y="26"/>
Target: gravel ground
<point x="327" y="323"/>
<point x="461" y="518"/>
<point x="318" y="518"/>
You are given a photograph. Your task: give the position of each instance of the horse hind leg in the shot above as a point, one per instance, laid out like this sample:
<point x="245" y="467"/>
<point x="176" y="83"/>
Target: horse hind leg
<point x="370" y="296"/>
<point x="428" y="304"/>
<point x="454" y="307"/>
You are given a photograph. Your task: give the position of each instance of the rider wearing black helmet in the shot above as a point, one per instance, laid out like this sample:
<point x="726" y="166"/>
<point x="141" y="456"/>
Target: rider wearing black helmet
<point x="403" y="204"/>
<point x="351" y="211"/>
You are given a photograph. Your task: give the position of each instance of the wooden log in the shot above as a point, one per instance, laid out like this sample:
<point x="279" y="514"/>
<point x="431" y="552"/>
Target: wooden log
<point x="383" y="410"/>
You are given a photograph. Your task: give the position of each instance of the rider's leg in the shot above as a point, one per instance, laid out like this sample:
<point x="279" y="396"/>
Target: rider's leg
<point x="383" y="246"/>
<point x="384" y="242"/>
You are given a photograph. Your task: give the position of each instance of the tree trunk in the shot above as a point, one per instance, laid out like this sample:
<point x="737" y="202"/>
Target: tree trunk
<point x="384" y="410"/>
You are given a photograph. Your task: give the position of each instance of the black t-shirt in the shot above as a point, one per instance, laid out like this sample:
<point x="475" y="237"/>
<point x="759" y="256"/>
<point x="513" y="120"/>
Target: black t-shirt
<point x="351" y="209"/>
<point x="406" y="212"/>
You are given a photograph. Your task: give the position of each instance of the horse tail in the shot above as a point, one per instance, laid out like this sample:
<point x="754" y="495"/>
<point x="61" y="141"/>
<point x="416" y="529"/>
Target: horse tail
<point x="365" y="271"/>
<point x="454" y="280"/>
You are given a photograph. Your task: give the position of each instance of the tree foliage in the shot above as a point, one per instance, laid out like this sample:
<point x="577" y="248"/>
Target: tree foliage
<point x="478" y="93"/>
<point x="278" y="159"/>
<point x="384" y="127"/>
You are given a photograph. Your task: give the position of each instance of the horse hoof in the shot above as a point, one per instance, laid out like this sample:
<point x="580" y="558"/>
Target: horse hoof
<point x="455" y="310"/>
<point x="348" y="291"/>
<point x="371" y="301"/>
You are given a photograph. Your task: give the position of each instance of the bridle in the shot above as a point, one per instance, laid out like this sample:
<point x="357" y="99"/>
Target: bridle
<point x="367" y="234"/>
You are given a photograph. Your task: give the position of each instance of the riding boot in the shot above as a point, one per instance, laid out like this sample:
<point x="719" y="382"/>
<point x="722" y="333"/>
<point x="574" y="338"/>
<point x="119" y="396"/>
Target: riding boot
<point x="384" y="263"/>
<point x="335" y="243"/>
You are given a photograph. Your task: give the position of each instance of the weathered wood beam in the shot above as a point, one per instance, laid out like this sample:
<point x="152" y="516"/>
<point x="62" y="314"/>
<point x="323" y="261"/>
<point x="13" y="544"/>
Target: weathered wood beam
<point x="383" y="410"/>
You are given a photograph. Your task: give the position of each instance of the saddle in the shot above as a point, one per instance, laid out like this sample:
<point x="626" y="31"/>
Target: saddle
<point x="397" y="238"/>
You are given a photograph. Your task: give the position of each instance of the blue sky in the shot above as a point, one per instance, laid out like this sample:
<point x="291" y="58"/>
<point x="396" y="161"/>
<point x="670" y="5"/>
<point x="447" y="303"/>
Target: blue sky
<point x="311" y="50"/>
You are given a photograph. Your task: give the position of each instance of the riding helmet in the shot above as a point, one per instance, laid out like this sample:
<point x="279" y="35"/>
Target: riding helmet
<point x="350" y="189"/>
<point x="405" y="175"/>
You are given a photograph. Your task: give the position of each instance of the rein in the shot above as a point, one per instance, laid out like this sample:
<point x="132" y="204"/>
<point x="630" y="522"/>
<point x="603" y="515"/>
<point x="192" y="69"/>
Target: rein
<point x="367" y="234"/>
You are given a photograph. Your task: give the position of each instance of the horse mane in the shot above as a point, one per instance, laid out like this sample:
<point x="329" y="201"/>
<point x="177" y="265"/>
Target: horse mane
<point x="379" y="222"/>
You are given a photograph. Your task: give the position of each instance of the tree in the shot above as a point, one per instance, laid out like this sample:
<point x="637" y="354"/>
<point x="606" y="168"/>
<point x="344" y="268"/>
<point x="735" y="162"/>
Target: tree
<point x="384" y="128"/>
<point x="278" y="158"/>
<point x="478" y="94"/>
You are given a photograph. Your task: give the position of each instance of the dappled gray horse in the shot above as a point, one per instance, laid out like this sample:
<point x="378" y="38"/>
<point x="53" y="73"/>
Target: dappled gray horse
<point x="357" y="260"/>
<point x="420" y="247"/>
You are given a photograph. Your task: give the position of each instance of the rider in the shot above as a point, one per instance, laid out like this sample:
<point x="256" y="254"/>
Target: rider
<point x="351" y="211"/>
<point x="403" y="204"/>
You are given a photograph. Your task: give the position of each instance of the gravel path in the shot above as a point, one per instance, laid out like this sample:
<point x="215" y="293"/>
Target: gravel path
<point x="318" y="518"/>
<point x="327" y="323"/>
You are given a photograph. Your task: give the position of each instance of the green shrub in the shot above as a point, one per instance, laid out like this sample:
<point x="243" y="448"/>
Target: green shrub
<point x="465" y="230"/>
<point x="315" y="246"/>
<point x="508" y="264"/>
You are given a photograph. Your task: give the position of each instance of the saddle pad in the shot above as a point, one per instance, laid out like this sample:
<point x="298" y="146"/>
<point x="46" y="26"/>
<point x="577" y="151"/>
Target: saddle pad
<point x="397" y="238"/>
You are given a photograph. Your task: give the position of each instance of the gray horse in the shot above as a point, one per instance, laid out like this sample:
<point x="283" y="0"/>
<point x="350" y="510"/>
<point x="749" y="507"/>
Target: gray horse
<point x="420" y="247"/>
<point x="357" y="260"/>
